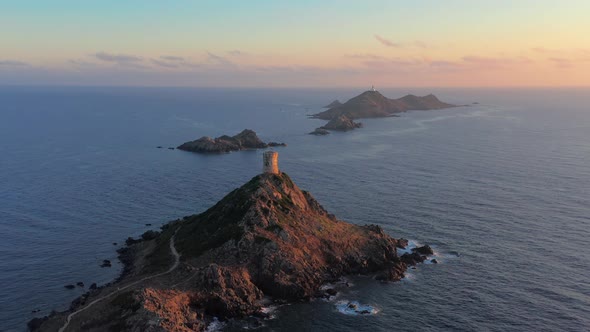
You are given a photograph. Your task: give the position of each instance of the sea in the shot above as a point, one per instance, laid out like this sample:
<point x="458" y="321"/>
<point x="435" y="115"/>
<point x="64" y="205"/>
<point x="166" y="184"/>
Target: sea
<point x="500" y="188"/>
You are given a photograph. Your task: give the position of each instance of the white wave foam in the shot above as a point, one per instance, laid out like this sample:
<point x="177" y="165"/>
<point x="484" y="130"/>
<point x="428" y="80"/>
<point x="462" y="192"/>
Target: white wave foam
<point x="354" y="308"/>
<point x="215" y="325"/>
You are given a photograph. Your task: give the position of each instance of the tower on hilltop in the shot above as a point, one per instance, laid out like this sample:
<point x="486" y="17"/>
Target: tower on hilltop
<point x="270" y="162"/>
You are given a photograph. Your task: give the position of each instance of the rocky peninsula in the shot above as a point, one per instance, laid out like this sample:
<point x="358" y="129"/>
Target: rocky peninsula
<point x="267" y="240"/>
<point x="246" y="140"/>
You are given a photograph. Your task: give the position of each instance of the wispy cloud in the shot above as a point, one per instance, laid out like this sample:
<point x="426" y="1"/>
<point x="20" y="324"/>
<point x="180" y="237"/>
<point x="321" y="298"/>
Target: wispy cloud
<point x="13" y="63"/>
<point x="218" y="60"/>
<point x="172" y="58"/>
<point x="117" y="58"/>
<point x="386" y="41"/>
<point x="172" y="61"/>
<point x="236" y="53"/>
<point x="484" y="61"/>
<point x="408" y="44"/>
<point x="365" y="56"/>
<point x="562" y="62"/>
<point x="167" y="64"/>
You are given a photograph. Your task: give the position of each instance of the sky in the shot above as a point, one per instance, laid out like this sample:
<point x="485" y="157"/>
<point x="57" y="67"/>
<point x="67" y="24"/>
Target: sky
<point x="450" y="43"/>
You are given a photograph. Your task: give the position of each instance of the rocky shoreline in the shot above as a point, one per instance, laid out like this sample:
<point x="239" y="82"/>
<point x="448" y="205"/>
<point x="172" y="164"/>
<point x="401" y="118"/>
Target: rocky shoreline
<point x="276" y="242"/>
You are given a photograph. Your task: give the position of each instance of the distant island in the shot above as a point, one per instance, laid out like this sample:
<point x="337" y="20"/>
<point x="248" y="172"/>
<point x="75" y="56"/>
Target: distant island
<point x="246" y="140"/>
<point x="372" y="104"/>
<point x="267" y="239"/>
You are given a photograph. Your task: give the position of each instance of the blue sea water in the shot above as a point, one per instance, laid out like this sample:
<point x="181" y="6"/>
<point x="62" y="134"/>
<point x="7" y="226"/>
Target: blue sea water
<point x="500" y="189"/>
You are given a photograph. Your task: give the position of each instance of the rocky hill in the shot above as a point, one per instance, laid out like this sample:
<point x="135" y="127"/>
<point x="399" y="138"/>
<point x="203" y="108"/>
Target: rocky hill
<point x="335" y="103"/>
<point x="372" y="104"/>
<point x="247" y="139"/>
<point x="267" y="239"/>
<point x="341" y="123"/>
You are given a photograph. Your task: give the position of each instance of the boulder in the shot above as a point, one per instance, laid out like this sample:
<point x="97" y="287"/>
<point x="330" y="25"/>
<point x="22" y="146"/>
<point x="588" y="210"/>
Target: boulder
<point x="424" y="250"/>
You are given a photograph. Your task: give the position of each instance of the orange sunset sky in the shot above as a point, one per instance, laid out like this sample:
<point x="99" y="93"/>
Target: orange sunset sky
<point x="303" y="44"/>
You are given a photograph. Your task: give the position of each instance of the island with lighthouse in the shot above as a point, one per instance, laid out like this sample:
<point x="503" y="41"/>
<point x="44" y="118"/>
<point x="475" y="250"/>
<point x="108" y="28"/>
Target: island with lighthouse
<point x="372" y="104"/>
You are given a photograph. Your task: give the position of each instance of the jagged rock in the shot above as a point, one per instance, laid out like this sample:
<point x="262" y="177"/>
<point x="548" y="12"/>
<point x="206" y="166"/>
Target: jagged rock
<point x="319" y="132"/>
<point x="131" y="241"/>
<point x="402" y="243"/>
<point x="424" y="250"/>
<point x="80" y="284"/>
<point x="331" y="291"/>
<point x="273" y="144"/>
<point x="69" y="286"/>
<point x="413" y="258"/>
<point x="92" y="286"/>
<point x="106" y="263"/>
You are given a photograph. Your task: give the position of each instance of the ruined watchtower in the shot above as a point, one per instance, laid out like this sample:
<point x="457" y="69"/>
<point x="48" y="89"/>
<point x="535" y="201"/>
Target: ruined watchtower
<point x="270" y="162"/>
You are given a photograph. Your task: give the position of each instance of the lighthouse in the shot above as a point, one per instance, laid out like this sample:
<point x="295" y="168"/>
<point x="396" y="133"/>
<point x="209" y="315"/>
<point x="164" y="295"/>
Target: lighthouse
<point x="270" y="162"/>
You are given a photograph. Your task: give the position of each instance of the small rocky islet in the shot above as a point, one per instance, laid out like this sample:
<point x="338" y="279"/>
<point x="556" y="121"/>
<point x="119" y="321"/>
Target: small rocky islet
<point x="245" y="140"/>
<point x="267" y="239"/>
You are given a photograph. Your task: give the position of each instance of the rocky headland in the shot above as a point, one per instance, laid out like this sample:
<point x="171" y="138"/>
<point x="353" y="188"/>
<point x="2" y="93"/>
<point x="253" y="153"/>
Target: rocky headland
<point x="246" y="140"/>
<point x="267" y="240"/>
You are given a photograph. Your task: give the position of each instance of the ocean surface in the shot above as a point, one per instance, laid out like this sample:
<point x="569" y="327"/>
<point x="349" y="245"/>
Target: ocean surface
<point x="500" y="189"/>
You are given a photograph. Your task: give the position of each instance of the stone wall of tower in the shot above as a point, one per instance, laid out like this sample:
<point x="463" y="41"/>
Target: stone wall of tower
<point x="270" y="162"/>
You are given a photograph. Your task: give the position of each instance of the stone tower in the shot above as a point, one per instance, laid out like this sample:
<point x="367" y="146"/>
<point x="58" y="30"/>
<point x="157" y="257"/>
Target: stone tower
<point x="270" y="162"/>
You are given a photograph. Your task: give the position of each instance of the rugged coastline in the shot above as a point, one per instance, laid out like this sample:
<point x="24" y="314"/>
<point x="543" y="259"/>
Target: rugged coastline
<point x="265" y="240"/>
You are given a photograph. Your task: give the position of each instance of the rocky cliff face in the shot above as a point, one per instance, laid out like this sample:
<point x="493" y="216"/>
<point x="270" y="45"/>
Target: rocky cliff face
<point x="289" y="244"/>
<point x="372" y="104"/>
<point x="247" y="139"/>
<point x="267" y="238"/>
